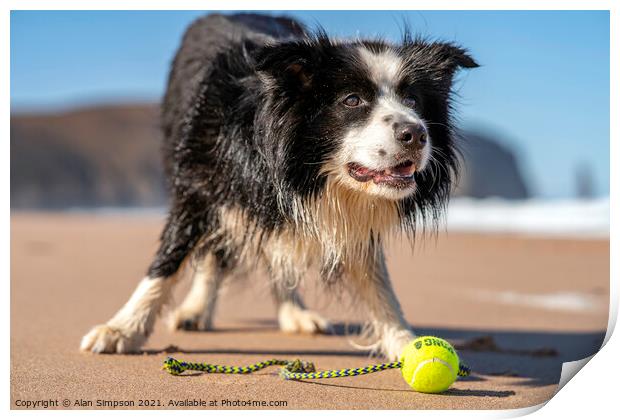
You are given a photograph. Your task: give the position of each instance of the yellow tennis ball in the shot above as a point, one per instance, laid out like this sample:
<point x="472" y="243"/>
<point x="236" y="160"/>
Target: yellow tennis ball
<point x="429" y="364"/>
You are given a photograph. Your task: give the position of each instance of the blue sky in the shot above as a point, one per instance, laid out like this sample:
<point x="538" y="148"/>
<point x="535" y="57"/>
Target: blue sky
<point x="543" y="87"/>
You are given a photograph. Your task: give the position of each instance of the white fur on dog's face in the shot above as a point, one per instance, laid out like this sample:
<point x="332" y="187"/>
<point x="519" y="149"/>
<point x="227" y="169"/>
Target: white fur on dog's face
<point x="374" y="145"/>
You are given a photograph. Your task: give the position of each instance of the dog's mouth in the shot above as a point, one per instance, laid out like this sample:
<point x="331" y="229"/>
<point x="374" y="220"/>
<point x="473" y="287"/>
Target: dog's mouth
<point x="399" y="176"/>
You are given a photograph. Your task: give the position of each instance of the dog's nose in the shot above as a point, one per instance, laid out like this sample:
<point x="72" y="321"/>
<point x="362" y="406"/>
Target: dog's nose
<point x="411" y="134"/>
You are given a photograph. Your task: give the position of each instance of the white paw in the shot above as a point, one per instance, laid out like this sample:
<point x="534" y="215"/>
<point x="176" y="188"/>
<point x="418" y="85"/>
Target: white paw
<point x="393" y="341"/>
<point x="107" y="339"/>
<point x="294" y="319"/>
<point x="189" y="320"/>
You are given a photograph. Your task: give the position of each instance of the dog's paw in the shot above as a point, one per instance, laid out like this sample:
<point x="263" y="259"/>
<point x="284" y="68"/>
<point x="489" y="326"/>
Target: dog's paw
<point x="108" y="339"/>
<point x="182" y="319"/>
<point x="294" y="319"/>
<point x="393" y="342"/>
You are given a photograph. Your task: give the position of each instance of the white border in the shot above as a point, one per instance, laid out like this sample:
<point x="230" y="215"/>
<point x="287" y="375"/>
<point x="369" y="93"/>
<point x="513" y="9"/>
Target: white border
<point x="310" y="5"/>
<point x="594" y="393"/>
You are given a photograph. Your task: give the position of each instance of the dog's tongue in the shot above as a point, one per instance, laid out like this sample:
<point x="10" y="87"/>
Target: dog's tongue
<point x="362" y="173"/>
<point x="362" y="170"/>
<point x="404" y="169"/>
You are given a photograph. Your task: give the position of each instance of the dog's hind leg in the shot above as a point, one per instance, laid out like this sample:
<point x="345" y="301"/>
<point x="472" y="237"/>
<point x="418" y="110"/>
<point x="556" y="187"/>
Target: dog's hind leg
<point x="293" y="317"/>
<point x="130" y="327"/>
<point x="196" y="311"/>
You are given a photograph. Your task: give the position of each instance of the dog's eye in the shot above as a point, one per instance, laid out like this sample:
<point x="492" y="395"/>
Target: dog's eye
<point x="410" y="102"/>
<point x="352" y="101"/>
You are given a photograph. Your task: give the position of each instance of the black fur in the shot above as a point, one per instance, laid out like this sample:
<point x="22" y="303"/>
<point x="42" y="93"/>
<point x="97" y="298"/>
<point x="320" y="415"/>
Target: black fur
<point x="248" y="115"/>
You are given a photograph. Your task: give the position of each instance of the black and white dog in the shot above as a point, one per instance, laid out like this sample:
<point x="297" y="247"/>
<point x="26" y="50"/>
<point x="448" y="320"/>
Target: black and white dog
<point x="290" y="150"/>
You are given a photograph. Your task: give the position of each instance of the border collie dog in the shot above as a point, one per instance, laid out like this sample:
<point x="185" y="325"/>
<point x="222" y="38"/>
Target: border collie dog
<point x="293" y="151"/>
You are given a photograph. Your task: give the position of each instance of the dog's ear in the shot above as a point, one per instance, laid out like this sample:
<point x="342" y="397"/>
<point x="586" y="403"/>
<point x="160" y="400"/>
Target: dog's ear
<point x="454" y="56"/>
<point x="439" y="59"/>
<point x="290" y="64"/>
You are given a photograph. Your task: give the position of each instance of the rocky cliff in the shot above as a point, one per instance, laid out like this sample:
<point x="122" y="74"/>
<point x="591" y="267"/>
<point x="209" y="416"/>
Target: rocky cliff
<point x="110" y="156"/>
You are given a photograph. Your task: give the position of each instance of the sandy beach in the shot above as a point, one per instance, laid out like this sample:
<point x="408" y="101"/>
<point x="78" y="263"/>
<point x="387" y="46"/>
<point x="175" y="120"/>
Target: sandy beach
<point x="516" y="307"/>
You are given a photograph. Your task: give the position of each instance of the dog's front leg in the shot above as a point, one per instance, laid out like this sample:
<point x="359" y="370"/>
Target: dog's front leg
<point x="371" y="285"/>
<point x="129" y="328"/>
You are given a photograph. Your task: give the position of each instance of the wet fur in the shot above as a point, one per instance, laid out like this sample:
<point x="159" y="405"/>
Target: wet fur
<point x="231" y="144"/>
<point x="250" y="133"/>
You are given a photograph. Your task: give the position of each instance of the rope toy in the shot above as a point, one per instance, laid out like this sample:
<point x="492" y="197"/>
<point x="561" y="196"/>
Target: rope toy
<point x="428" y="364"/>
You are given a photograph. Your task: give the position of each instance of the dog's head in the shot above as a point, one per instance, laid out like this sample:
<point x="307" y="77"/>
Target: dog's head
<point x="368" y="115"/>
